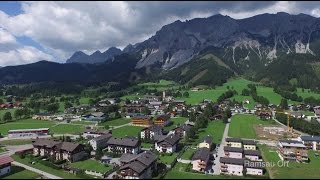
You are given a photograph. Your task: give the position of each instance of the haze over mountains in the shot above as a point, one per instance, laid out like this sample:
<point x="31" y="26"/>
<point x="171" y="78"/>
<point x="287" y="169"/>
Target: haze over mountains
<point x="241" y="46"/>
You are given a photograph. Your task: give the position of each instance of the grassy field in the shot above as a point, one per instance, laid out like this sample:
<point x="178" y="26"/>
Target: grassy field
<point x="67" y="129"/>
<point x="116" y="122"/>
<point x="44" y="168"/>
<point x="2" y="150"/>
<point x="84" y="100"/>
<point x="176" y="121"/>
<point x="215" y="129"/>
<point x="83" y="122"/>
<point x="242" y="126"/>
<point x="294" y="170"/>
<point x="91" y="165"/>
<point x="167" y="159"/>
<point x="162" y="85"/>
<point x="306" y="93"/>
<point x="25" y="124"/>
<point x="20" y="173"/>
<point x="188" y="154"/>
<point x="146" y="145"/>
<point x="126" y="131"/>
<point x="16" y="142"/>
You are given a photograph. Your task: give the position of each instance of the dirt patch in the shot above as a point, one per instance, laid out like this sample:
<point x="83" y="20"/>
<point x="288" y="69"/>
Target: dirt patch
<point x="272" y="132"/>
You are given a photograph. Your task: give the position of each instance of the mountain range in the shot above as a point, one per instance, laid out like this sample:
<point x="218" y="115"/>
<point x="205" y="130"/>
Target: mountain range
<point x="247" y="46"/>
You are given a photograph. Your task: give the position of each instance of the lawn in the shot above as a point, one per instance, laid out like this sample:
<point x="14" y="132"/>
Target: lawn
<point x="59" y="173"/>
<point x="84" y="100"/>
<point x="2" y="150"/>
<point x="242" y="126"/>
<point x="67" y="129"/>
<point x="215" y="129"/>
<point x="83" y="122"/>
<point x="188" y="154"/>
<point x="306" y="93"/>
<point x="294" y="170"/>
<point x="16" y="142"/>
<point x="175" y="122"/>
<point x="127" y="131"/>
<point x="116" y="122"/>
<point x="25" y="124"/>
<point x="20" y="173"/>
<point x="167" y="159"/>
<point x="196" y="97"/>
<point x="91" y="165"/>
<point x="146" y="145"/>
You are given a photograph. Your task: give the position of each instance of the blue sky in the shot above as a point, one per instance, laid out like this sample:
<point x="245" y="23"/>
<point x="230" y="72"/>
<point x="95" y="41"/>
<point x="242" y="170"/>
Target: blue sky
<point x="53" y="30"/>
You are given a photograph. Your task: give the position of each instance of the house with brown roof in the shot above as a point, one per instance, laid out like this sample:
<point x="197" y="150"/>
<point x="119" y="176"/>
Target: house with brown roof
<point x="58" y="150"/>
<point x="100" y="141"/>
<point x="162" y="120"/>
<point x="144" y="121"/>
<point x="92" y="133"/>
<point x="201" y="159"/>
<point x="182" y="130"/>
<point x="206" y="142"/>
<point x="123" y="145"/>
<point x="167" y="144"/>
<point x="5" y="165"/>
<point x="138" y="166"/>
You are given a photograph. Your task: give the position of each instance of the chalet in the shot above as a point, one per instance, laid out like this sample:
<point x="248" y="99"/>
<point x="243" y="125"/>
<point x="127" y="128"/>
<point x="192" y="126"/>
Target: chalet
<point x="311" y="142"/>
<point x="297" y="114"/>
<point x="90" y="133"/>
<point x="206" y="142"/>
<point x="233" y="152"/>
<point x="249" y="144"/>
<point x="133" y="108"/>
<point x="95" y="116"/>
<point x="162" y="120"/>
<point x="5" y="165"/>
<point x="150" y="132"/>
<point x="42" y="116"/>
<point x="264" y="114"/>
<point x="234" y="142"/>
<point x="100" y="141"/>
<point x="123" y="145"/>
<point x="58" y="150"/>
<point x="139" y="166"/>
<point x="167" y="144"/>
<point x="291" y="150"/>
<point x="21" y="133"/>
<point x="200" y="160"/>
<point x="253" y="155"/>
<point x="144" y="121"/>
<point x="231" y="166"/>
<point x="254" y="168"/>
<point x="182" y="130"/>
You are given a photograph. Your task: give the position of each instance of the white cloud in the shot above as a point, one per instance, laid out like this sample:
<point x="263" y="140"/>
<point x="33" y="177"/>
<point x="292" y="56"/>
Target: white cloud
<point x="65" y="27"/>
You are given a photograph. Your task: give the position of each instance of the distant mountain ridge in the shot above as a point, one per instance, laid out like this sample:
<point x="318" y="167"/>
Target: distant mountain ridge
<point x="96" y="57"/>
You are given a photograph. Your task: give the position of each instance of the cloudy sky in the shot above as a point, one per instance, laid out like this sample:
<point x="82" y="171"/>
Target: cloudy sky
<point x="33" y="31"/>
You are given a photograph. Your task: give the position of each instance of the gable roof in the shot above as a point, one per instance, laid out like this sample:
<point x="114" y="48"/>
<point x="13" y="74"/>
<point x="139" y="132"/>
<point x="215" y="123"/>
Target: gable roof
<point x="67" y="146"/>
<point x="126" y="141"/>
<point x="207" y="139"/>
<point x="310" y="138"/>
<point x="232" y="149"/>
<point x="153" y="128"/>
<point x="171" y="139"/>
<point x="249" y="142"/>
<point x="231" y="161"/>
<point x="202" y="154"/>
<point x="233" y="140"/>
<point x="102" y="137"/>
<point x="252" y="152"/>
<point x="5" y="160"/>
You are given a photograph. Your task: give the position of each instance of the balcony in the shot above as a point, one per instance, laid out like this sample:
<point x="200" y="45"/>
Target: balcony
<point x="224" y="166"/>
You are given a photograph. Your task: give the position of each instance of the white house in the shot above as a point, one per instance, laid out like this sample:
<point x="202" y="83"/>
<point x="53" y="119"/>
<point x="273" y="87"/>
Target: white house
<point x="123" y="145"/>
<point x="201" y="159"/>
<point x="167" y="144"/>
<point x="100" y="141"/>
<point x="231" y="166"/>
<point x="233" y="152"/>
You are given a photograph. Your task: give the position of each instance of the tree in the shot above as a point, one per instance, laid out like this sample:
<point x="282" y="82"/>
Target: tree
<point x="284" y="103"/>
<point x="99" y="153"/>
<point x="146" y="111"/>
<point x="1" y="101"/>
<point x="7" y="117"/>
<point x="186" y="94"/>
<point x="18" y="113"/>
<point x="127" y="101"/>
<point x="228" y="113"/>
<point x="107" y="126"/>
<point x="67" y="104"/>
<point x="53" y="108"/>
<point x="117" y="115"/>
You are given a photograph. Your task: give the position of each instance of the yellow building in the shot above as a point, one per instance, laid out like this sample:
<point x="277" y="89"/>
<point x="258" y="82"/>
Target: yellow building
<point x="206" y="143"/>
<point x="234" y="142"/>
<point x="249" y="145"/>
<point x="144" y="121"/>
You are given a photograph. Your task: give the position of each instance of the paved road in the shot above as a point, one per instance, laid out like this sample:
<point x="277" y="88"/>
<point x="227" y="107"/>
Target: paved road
<point x="50" y="176"/>
<point x="116" y="127"/>
<point x="13" y="149"/>
<point x="220" y="153"/>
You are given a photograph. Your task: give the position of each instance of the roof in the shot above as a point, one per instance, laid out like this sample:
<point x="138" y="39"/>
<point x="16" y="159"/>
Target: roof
<point x="18" y="130"/>
<point x="126" y="157"/>
<point x="231" y="161"/>
<point x="99" y="131"/>
<point x="142" y="117"/>
<point x="233" y="140"/>
<point x="154" y="128"/>
<point x="207" y="139"/>
<point x="232" y="149"/>
<point x="97" y="114"/>
<point x="46" y="142"/>
<point x="185" y="127"/>
<point x="310" y="138"/>
<point x="292" y="143"/>
<point x="135" y="166"/>
<point x="67" y="146"/>
<point x="147" y="158"/>
<point x="103" y="137"/>
<point x="254" y="164"/>
<point x="171" y="139"/>
<point x="202" y="154"/>
<point x="252" y="152"/>
<point x="5" y="160"/>
<point x="165" y="117"/>
<point x="126" y="141"/>
<point x="43" y="114"/>
<point x="249" y="142"/>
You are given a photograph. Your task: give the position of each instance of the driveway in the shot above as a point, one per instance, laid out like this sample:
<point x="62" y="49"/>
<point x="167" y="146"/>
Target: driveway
<point x="220" y="153"/>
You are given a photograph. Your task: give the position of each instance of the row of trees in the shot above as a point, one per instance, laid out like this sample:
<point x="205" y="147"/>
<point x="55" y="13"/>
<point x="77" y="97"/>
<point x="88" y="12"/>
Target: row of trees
<point x="253" y="91"/>
<point x="288" y="95"/>
<point x="226" y="95"/>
